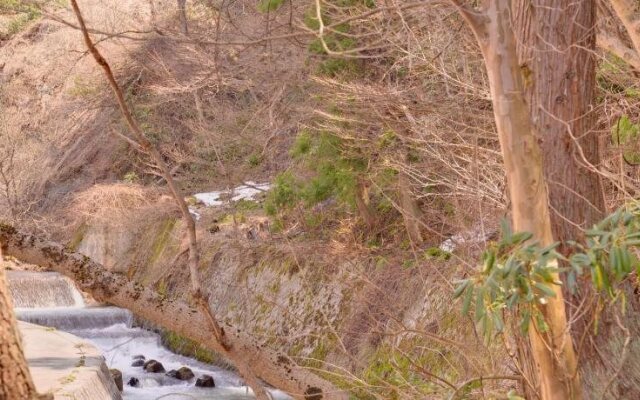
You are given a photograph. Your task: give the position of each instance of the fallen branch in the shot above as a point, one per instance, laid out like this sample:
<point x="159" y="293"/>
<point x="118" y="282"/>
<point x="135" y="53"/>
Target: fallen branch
<point x="273" y="367"/>
<point x="145" y="146"/>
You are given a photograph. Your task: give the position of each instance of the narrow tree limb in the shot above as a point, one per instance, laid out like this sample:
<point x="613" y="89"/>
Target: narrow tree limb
<point x="627" y="12"/>
<point x="476" y="19"/>
<point x="236" y="356"/>
<point x="616" y="47"/>
<point x="146" y="146"/>
<point x="273" y="367"/>
<point x="127" y="139"/>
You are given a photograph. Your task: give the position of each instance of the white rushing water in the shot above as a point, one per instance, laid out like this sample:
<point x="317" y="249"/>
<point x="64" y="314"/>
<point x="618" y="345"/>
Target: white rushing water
<point x="111" y="330"/>
<point x="43" y="289"/>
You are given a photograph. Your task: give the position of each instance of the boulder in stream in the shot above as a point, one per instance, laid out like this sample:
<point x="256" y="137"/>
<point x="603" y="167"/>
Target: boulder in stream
<point x="172" y="374"/>
<point x="134" y="382"/>
<point x="153" y="366"/>
<point x="139" y="357"/>
<point x="205" y="381"/>
<point x="117" y="378"/>
<point x="183" y="374"/>
<point x="137" y="363"/>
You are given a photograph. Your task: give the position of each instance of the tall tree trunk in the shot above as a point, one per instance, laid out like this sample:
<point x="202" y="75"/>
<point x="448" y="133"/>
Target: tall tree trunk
<point x="556" y="52"/>
<point x="15" y="379"/>
<point x="559" y="65"/>
<point x="554" y="358"/>
<point x="273" y="367"/>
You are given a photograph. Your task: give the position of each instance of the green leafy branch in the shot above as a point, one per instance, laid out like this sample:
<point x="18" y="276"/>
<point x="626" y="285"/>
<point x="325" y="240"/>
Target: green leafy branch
<point x="609" y="252"/>
<point x="517" y="276"/>
<point x="515" y="273"/>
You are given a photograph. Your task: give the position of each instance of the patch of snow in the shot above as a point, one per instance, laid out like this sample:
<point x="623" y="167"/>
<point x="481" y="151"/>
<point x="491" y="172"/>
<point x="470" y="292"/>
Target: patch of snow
<point x="473" y="236"/>
<point x="195" y="214"/>
<point x="210" y="199"/>
<point x="248" y="191"/>
<point x="449" y="245"/>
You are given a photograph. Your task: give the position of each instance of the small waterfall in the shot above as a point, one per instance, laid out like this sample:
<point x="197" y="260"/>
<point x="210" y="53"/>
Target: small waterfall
<point x="43" y="290"/>
<point x="50" y="299"/>
<point x="76" y="319"/>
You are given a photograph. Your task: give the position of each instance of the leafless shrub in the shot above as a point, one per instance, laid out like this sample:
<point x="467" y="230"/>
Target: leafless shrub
<point x="106" y="204"/>
<point x="19" y="165"/>
<point x="427" y="115"/>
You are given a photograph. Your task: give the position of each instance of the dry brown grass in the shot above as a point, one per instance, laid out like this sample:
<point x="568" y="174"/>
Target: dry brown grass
<point x="215" y="110"/>
<point x="108" y="203"/>
<point x="220" y="115"/>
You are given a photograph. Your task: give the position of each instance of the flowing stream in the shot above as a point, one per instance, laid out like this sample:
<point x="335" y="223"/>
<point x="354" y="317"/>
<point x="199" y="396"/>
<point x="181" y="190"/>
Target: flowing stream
<point x="50" y="299"/>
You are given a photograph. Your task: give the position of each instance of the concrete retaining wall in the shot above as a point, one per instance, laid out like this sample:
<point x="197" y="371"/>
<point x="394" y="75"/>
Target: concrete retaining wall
<point x="66" y="365"/>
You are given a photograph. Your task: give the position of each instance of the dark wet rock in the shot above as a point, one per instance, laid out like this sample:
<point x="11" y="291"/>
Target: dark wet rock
<point x="153" y="366"/>
<point x="139" y="357"/>
<point x="172" y="374"/>
<point x="135" y="382"/>
<point x="313" y="393"/>
<point x="117" y="378"/>
<point x="185" y="374"/>
<point x="137" y="363"/>
<point x="205" y="381"/>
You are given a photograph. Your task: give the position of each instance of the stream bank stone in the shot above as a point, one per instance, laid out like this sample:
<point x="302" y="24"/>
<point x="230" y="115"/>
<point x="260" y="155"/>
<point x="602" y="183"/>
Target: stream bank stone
<point x="134" y="382"/>
<point x="172" y="374"/>
<point x="138" y="360"/>
<point x="183" y="374"/>
<point x="153" y="366"/>
<point x="117" y="378"/>
<point x="205" y="381"/>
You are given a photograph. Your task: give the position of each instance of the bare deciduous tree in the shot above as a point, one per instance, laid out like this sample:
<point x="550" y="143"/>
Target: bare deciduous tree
<point x="559" y="85"/>
<point x="555" y="363"/>
<point x="235" y="352"/>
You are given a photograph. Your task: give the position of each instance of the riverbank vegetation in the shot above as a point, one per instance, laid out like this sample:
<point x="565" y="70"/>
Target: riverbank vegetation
<point x="452" y="203"/>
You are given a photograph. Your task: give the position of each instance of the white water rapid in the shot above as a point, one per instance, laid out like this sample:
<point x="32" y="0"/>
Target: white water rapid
<point x="49" y="299"/>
